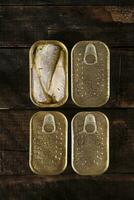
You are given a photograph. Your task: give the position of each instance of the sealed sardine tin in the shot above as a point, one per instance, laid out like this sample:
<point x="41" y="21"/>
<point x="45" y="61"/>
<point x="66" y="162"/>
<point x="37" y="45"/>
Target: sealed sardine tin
<point x="48" y="73"/>
<point x="48" y="143"/>
<point x="90" y="143"/>
<point x="90" y="68"/>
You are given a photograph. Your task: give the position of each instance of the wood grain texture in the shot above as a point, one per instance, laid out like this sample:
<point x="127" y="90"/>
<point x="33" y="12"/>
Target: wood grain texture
<point x="26" y="21"/>
<point x="104" y="187"/>
<point x="112" y="25"/>
<point x="14" y="141"/>
<point x="67" y="2"/>
<point x="14" y="79"/>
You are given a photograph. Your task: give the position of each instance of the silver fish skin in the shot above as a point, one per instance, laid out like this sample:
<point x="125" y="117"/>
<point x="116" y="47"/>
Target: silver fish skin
<point x="57" y="87"/>
<point x="38" y="93"/>
<point x="45" y="62"/>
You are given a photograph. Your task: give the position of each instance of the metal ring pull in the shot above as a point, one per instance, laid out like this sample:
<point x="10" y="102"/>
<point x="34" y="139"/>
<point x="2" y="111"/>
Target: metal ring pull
<point x="90" y="55"/>
<point x="49" y="125"/>
<point x="90" y="125"/>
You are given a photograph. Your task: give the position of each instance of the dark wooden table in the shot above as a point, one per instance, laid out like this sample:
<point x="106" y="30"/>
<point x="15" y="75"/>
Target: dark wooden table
<point x="21" y="24"/>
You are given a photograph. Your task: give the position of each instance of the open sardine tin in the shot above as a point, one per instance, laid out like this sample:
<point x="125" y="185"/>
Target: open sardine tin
<point x="48" y="73"/>
<point x="48" y="143"/>
<point x="90" y="67"/>
<point x="90" y="143"/>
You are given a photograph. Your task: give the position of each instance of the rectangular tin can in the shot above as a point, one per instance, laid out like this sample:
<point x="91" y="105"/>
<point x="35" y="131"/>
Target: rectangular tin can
<point x="48" y="143"/>
<point x="90" y="143"/>
<point x="48" y="73"/>
<point x="90" y="69"/>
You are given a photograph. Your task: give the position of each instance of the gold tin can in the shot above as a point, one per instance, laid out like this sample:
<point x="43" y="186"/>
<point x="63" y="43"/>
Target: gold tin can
<point x="48" y="73"/>
<point x="90" y="143"/>
<point x="90" y="68"/>
<point x="48" y="143"/>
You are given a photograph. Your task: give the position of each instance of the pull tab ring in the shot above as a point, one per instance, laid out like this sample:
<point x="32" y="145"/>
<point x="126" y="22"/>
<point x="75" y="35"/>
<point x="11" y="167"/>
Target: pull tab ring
<point x="90" y="125"/>
<point x="49" y="125"/>
<point x="90" y="55"/>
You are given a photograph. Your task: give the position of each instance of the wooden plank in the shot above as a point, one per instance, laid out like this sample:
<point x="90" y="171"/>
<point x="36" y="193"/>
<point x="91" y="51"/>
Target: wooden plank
<point x="14" y="79"/>
<point x="14" y="141"/>
<point x="63" y="177"/>
<point x="14" y="130"/>
<point x="67" y="2"/>
<point x="22" y="25"/>
<point x="93" y="14"/>
<point x="14" y="163"/>
<point x="104" y="187"/>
